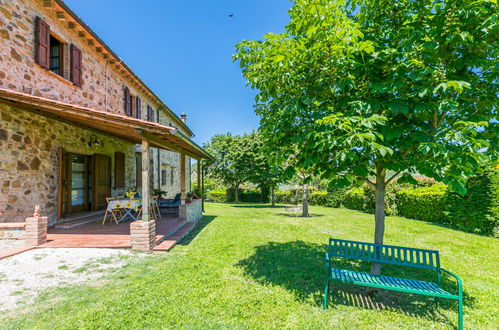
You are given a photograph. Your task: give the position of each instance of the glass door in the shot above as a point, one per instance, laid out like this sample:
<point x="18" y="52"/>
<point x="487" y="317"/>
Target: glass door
<point x="78" y="182"/>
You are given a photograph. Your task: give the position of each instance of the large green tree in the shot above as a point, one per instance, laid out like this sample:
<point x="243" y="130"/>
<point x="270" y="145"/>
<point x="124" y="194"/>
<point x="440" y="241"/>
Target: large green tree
<point x="241" y="159"/>
<point x="228" y="164"/>
<point x="367" y="87"/>
<point x="261" y="171"/>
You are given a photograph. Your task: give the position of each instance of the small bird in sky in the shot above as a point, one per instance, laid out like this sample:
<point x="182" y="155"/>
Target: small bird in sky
<point x="231" y="15"/>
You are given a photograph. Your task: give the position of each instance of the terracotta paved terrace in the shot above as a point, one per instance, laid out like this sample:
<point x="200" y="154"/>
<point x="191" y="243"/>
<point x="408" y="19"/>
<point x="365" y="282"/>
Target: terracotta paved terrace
<point x="109" y="235"/>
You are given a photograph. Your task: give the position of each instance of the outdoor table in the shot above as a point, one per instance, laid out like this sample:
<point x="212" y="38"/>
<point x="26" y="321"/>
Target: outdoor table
<point x="128" y="205"/>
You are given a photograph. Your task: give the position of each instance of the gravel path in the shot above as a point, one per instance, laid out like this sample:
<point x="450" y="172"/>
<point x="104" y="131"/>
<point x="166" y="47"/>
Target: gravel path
<point x="24" y="276"/>
<point x="6" y="245"/>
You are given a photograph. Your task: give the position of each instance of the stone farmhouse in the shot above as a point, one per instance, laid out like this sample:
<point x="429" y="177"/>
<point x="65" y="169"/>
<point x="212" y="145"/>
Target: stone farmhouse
<point x="77" y="124"/>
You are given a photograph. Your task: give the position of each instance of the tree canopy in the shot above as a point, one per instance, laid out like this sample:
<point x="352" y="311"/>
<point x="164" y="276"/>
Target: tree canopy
<point x="364" y="87"/>
<point x="241" y="159"/>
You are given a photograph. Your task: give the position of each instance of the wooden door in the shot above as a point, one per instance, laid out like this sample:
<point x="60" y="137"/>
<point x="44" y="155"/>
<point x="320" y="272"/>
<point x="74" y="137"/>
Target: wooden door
<point x="78" y="183"/>
<point x="138" y="170"/>
<point x="63" y="185"/>
<point x="102" y="181"/>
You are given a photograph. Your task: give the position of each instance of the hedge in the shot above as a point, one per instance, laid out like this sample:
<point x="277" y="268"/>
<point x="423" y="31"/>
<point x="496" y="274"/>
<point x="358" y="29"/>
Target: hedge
<point x="318" y="198"/>
<point x="354" y="199"/>
<point x="245" y="196"/>
<point x="478" y="210"/>
<point x="219" y="196"/>
<point x="425" y="203"/>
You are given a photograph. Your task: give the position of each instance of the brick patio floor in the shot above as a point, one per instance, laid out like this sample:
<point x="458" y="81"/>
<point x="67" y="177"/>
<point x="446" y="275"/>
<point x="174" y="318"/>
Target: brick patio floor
<point x="109" y="235"/>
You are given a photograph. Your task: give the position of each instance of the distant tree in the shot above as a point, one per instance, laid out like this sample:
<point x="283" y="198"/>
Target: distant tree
<point x="261" y="171"/>
<point x="228" y="164"/>
<point x="370" y="86"/>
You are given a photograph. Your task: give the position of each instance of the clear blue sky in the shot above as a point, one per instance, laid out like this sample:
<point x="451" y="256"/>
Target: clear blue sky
<point x="182" y="49"/>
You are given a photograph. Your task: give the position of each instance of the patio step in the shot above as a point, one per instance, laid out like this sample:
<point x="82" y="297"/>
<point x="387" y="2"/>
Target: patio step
<point x="175" y="237"/>
<point x="80" y="220"/>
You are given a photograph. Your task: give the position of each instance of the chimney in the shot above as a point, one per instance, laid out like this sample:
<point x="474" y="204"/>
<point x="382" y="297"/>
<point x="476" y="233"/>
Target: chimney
<point x="183" y="117"/>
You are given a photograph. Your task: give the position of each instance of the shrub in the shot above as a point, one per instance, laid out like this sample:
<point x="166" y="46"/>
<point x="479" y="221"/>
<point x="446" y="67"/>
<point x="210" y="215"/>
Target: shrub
<point x="478" y="210"/>
<point x="335" y="197"/>
<point x="251" y="196"/>
<point x="390" y="197"/>
<point x="318" y="198"/>
<point x="284" y="197"/>
<point x="425" y="203"/>
<point x="219" y="196"/>
<point x="354" y="199"/>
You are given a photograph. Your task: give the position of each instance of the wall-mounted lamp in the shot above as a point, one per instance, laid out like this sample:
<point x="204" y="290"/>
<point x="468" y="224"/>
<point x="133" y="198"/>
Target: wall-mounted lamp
<point x="94" y="142"/>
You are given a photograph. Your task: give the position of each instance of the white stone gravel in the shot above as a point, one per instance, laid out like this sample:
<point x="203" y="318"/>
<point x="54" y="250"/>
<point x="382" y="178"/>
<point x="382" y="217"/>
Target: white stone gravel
<point x="24" y="276"/>
<point x="6" y="245"/>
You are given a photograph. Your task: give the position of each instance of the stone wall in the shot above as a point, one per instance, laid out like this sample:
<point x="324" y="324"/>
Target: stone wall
<point x="29" y="143"/>
<point x="194" y="210"/>
<point x="103" y="85"/>
<point x="29" y="160"/>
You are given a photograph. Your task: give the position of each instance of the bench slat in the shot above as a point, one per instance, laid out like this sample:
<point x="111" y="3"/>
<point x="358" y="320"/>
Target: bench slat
<point x="391" y="254"/>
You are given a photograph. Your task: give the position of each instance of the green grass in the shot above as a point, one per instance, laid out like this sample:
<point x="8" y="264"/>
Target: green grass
<point x="252" y="266"/>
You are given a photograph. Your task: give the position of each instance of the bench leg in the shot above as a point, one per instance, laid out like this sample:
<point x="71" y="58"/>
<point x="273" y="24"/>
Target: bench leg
<point x="326" y="294"/>
<point x="460" y="312"/>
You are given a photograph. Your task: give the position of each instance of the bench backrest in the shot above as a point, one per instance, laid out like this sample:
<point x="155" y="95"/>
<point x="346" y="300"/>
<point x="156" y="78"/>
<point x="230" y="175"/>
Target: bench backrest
<point x="387" y="254"/>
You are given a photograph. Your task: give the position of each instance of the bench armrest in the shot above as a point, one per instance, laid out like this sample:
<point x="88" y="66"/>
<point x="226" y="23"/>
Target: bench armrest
<point x="328" y="257"/>
<point x="458" y="280"/>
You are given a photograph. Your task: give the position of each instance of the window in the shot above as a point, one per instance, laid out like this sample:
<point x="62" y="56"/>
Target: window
<point x="163" y="177"/>
<point x="56" y="57"/>
<point x="128" y="110"/>
<point x="50" y="51"/>
<point x="132" y="103"/>
<point x="163" y="174"/>
<point x="76" y="59"/>
<point x="138" y="108"/>
<point x="133" y="106"/>
<point x="150" y="113"/>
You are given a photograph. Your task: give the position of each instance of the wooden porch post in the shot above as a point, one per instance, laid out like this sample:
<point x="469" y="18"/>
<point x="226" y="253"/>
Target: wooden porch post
<point x="182" y="209"/>
<point x="199" y="175"/>
<point x="143" y="232"/>
<point x="145" y="180"/>
<point x="182" y="178"/>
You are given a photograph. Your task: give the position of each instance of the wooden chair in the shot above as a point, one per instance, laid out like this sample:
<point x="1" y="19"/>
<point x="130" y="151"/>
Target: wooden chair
<point x="113" y="213"/>
<point x="155" y="208"/>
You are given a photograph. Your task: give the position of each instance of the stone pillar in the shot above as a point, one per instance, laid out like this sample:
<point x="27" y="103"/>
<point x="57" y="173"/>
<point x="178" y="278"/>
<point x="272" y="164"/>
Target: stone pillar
<point x="36" y="231"/>
<point x="143" y="235"/>
<point x="182" y="212"/>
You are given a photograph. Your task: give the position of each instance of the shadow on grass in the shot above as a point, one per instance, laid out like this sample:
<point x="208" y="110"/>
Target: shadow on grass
<point x="300" y="268"/>
<point x="207" y="219"/>
<point x="255" y="206"/>
<point x="298" y="215"/>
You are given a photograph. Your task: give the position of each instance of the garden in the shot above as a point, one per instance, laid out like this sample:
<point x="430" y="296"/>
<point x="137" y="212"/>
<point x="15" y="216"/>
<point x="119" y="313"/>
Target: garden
<point x="257" y="266"/>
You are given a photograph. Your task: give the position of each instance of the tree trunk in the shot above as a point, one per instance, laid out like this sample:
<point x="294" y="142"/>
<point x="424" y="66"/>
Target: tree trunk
<point x="305" y="200"/>
<point x="272" y="196"/>
<point x="379" y="216"/>
<point x="236" y="195"/>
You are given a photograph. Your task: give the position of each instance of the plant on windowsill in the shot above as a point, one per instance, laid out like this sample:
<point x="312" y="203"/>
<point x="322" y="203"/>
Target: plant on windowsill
<point x="158" y="192"/>
<point x="188" y="197"/>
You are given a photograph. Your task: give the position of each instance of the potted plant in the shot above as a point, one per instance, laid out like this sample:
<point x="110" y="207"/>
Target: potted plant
<point x="158" y="193"/>
<point x="188" y="197"/>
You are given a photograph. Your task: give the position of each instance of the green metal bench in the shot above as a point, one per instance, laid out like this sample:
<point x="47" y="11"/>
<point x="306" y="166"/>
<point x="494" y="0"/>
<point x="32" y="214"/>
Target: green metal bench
<point x="394" y="255"/>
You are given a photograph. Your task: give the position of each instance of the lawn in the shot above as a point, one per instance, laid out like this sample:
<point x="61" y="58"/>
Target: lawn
<point x="252" y="266"/>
